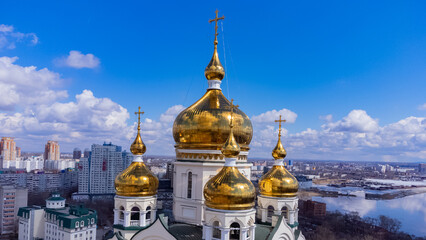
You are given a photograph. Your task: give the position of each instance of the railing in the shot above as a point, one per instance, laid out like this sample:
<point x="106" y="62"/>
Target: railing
<point x="134" y="222"/>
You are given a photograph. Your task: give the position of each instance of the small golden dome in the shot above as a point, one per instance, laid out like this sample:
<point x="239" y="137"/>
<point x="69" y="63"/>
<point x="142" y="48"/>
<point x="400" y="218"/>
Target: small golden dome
<point x="205" y="124"/>
<point x="279" y="152"/>
<point x="136" y="180"/>
<point x="229" y="190"/>
<point x="231" y="149"/>
<point x="278" y="182"/>
<point x="215" y="70"/>
<point x="138" y="147"/>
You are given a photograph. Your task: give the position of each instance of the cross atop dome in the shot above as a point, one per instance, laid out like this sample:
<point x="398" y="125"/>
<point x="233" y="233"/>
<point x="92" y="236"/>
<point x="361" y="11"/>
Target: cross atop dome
<point x="215" y="27"/>
<point x="280" y="121"/>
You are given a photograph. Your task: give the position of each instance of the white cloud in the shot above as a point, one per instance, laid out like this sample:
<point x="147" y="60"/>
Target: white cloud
<point x="356" y="136"/>
<point x="76" y="59"/>
<point x="356" y="121"/>
<point x="271" y="116"/>
<point x="23" y="86"/>
<point x="327" y="118"/>
<point x="9" y="37"/>
<point x="422" y="107"/>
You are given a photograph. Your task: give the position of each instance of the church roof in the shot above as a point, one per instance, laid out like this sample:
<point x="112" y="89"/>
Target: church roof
<point x="186" y="231"/>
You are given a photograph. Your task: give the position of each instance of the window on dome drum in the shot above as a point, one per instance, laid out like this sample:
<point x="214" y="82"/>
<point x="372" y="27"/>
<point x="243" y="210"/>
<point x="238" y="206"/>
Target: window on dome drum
<point x="148" y="213"/>
<point x="216" y="230"/>
<point x="135" y="213"/>
<point x="284" y="212"/>
<point x="270" y="212"/>
<point x="189" y="192"/>
<point x="235" y="231"/>
<point x="121" y="212"/>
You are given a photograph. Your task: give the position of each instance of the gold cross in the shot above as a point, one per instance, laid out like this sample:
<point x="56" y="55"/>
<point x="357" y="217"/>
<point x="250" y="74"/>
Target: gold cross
<point x="232" y="106"/>
<point x="215" y="28"/>
<point x="139" y="117"/>
<point x="280" y="121"/>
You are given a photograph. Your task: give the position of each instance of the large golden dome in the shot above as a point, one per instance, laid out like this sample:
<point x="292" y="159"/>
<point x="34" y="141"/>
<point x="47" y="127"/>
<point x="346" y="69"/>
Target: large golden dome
<point x="229" y="189"/>
<point x="136" y="180"/>
<point x="205" y="124"/>
<point x="278" y="182"/>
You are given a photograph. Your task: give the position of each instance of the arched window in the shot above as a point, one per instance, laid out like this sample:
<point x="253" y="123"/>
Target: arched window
<point x="235" y="231"/>
<point x="135" y="213"/>
<point x="270" y="212"/>
<point x="189" y="192"/>
<point x="284" y="212"/>
<point x="148" y="213"/>
<point x="216" y="230"/>
<point x="121" y="214"/>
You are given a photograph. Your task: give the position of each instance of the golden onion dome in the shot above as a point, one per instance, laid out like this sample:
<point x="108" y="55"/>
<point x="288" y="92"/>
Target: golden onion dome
<point x="136" y="180"/>
<point x="231" y="149"/>
<point x="204" y="125"/>
<point x="278" y="182"/>
<point x="279" y="152"/>
<point x="229" y="189"/>
<point x="215" y="70"/>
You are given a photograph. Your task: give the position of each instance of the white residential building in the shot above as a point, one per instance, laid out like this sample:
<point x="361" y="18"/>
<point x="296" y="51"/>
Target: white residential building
<point x="57" y="221"/>
<point x="98" y="171"/>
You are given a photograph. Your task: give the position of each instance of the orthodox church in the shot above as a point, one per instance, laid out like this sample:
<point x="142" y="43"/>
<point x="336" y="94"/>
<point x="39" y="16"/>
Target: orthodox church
<point x="213" y="197"/>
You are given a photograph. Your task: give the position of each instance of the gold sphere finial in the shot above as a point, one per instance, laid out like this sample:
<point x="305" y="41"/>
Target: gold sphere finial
<point x="215" y="70"/>
<point x="138" y="147"/>
<point x="231" y="148"/>
<point x="279" y="152"/>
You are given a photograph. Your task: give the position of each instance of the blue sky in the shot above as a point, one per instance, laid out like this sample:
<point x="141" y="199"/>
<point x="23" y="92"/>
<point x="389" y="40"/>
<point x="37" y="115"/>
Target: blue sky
<point x="315" y="59"/>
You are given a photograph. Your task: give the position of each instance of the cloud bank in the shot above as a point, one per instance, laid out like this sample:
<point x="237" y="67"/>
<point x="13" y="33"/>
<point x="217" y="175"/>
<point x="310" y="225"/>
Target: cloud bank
<point x="34" y="109"/>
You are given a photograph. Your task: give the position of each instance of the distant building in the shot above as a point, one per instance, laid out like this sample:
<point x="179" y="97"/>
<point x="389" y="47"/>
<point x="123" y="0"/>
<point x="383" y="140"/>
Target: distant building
<point x="7" y="151"/>
<point x="127" y="159"/>
<point x="86" y="153"/>
<point x="98" y="171"/>
<point x="41" y="181"/>
<point x="12" y="198"/>
<point x="29" y="164"/>
<point x="18" y="152"/>
<point x="51" y="151"/>
<point x="76" y="154"/>
<point x="57" y="221"/>
<point x="314" y="208"/>
<point x="59" y="165"/>
<point x="422" y="167"/>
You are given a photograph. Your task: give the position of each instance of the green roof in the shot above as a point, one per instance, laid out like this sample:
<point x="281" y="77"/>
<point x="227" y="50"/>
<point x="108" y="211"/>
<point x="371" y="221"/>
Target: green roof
<point x="262" y="231"/>
<point x="69" y="216"/>
<point x="56" y="199"/>
<point x="186" y="231"/>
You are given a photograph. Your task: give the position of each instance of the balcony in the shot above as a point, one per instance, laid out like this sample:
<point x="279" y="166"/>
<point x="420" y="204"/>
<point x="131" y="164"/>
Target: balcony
<point x="134" y="222"/>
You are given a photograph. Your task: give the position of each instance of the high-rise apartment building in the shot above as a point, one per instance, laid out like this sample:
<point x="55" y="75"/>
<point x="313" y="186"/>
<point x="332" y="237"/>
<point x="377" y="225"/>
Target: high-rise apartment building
<point x="76" y="154"/>
<point x="7" y="151"/>
<point x="11" y="199"/>
<point x="98" y="171"/>
<point x="51" y="151"/>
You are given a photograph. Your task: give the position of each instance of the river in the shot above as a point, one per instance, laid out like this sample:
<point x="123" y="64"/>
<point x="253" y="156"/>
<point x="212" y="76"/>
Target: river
<point x="410" y="210"/>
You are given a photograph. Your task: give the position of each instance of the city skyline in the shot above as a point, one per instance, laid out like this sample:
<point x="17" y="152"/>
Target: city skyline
<point x="349" y="90"/>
